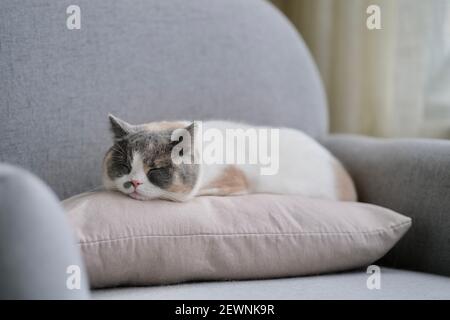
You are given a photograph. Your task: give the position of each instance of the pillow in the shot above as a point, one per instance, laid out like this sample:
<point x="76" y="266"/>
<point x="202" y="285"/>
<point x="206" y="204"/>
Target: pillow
<point x="130" y="242"/>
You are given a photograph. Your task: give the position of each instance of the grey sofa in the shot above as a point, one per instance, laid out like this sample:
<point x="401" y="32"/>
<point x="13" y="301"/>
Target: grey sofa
<point x="148" y="60"/>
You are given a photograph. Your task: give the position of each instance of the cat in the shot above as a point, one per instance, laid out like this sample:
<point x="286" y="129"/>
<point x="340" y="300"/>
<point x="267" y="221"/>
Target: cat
<point x="141" y="165"/>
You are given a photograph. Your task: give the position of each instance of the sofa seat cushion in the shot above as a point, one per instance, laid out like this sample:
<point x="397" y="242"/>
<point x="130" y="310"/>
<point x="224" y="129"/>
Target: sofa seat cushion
<point x="395" y="284"/>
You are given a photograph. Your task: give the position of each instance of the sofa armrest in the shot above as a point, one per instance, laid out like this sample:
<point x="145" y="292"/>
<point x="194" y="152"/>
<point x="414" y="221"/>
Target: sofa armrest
<point x="36" y="243"/>
<point x="412" y="177"/>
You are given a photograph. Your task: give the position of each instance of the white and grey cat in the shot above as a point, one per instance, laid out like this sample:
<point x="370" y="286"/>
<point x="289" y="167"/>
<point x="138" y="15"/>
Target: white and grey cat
<point x="139" y="164"/>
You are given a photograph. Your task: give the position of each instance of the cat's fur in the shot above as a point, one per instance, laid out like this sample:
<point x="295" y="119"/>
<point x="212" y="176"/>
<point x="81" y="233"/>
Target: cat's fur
<point x="143" y="153"/>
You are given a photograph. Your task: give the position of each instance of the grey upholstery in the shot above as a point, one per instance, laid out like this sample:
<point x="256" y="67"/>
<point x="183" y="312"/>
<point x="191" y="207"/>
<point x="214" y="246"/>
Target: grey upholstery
<point x="36" y="243"/>
<point x="143" y="61"/>
<point x="395" y="284"/>
<point x="411" y="177"/>
<point x="149" y="60"/>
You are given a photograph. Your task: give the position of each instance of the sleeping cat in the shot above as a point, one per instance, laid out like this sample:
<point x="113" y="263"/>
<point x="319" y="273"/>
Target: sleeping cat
<point x="141" y="164"/>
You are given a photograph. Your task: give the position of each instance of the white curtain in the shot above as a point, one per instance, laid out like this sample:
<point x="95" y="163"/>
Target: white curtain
<point x="437" y="91"/>
<point x="377" y="81"/>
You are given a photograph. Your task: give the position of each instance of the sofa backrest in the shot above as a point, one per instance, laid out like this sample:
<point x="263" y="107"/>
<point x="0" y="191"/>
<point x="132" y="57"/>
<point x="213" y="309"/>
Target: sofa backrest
<point x="142" y="60"/>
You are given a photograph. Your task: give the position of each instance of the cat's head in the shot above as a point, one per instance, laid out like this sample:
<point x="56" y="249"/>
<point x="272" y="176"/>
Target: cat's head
<point x="140" y="162"/>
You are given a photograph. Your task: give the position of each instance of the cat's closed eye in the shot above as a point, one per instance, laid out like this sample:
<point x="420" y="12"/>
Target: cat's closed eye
<point x="159" y="176"/>
<point x="158" y="170"/>
<point x="125" y="168"/>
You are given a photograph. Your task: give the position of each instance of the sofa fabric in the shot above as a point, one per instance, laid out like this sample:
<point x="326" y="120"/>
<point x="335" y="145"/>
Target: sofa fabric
<point x="394" y="284"/>
<point x="411" y="176"/>
<point x="129" y="242"/>
<point x="37" y="246"/>
<point x="152" y="60"/>
<point x="196" y="59"/>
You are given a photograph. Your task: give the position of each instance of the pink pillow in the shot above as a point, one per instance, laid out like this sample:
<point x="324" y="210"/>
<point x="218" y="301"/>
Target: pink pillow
<point x="130" y="242"/>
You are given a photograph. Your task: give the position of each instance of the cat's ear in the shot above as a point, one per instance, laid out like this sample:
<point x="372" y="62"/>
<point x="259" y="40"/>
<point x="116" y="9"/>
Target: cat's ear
<point x="119" y="128"/>
<point x="179" y="135"/>
<point x="182" y="144"/>
<point x="192" y="129"/>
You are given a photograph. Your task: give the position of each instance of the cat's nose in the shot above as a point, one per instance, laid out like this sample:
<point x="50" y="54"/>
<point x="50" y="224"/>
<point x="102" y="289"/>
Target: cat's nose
<point x="135" y="184"/>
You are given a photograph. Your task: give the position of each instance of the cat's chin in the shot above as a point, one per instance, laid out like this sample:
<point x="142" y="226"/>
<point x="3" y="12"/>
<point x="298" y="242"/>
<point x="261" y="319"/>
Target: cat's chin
<point x="137" y="196"/>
